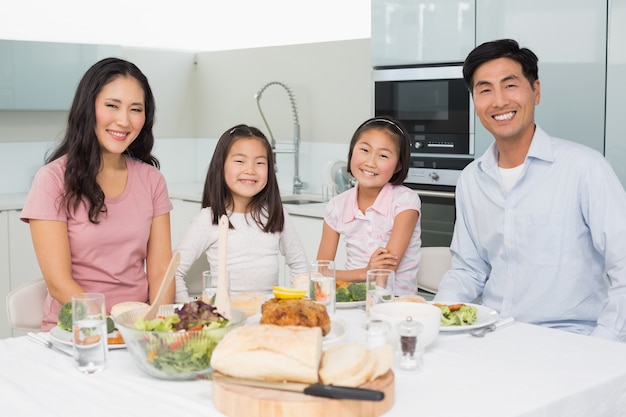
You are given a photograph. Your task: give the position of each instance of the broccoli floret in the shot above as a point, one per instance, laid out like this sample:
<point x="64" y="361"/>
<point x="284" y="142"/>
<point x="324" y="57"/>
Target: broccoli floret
<point x="467" y="315"/>
<point x="357" y="291"/>
<point x="342" y="295"/>
<point x="64" y="320"/>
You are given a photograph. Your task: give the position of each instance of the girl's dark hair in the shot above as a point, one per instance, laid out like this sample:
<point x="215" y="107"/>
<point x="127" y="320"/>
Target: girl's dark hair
<point x="80" y="142"/>
<point x="400" y="137"/>
<point x="502" y="48"/>
<point x="218" y="196"/>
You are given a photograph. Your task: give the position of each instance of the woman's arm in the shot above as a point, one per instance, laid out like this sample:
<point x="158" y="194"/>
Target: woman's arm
<point x="158" y="257"/>
<point x="52" y="247"/>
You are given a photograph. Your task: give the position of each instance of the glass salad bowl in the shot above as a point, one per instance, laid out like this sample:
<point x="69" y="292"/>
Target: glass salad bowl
<point x="172" y="354"/>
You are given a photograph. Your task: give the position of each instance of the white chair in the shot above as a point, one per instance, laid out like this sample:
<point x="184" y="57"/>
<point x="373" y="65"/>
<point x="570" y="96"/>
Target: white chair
<point x="435" y="262"/>
<point x="25" y="305"/>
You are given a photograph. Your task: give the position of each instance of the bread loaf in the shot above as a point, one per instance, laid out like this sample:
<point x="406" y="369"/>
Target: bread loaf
<point x="348" y="364"/>
<point x="270" y="352"/>
<point x="120" y="308"/>
<point x="351" y="364"/>
<point x="413" y="298"/>
<point x="249" y="302"/>
<point x="384" y="360"/>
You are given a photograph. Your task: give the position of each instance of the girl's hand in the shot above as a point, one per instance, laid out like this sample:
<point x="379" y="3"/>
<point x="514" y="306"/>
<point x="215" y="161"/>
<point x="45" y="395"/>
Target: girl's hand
<point x="383" y="259"/>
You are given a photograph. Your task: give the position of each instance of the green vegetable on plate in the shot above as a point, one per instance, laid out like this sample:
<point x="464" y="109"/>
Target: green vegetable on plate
<point x="342" y="295"/>
<point x="357" y="291"/>
<point x="464" y="316"/>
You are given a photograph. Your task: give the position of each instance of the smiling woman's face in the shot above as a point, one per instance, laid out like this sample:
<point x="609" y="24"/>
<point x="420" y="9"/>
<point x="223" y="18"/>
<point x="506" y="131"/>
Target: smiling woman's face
<point x="120" y="114"/>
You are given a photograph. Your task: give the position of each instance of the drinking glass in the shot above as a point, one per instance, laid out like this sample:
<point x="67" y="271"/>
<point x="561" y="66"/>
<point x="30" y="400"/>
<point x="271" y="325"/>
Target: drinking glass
<point x="209" y="286"/>
<point x="322" y="284"/>
<point x="89" y="332"/>
<point x="379" y="284"/>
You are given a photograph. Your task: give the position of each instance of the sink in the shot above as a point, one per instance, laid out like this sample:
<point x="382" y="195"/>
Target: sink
<point x="300" y="201"/>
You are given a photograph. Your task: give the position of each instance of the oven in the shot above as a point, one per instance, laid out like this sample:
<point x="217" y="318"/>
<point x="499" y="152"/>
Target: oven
<point x="436" y="108"/>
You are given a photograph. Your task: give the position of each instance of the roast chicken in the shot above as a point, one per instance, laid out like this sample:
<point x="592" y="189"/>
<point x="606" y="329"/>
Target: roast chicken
<point x="295" y="312"/>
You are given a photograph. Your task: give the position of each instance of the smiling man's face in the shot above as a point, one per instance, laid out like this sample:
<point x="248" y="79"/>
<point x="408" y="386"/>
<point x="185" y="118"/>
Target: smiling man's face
<point x="505" y="100"/>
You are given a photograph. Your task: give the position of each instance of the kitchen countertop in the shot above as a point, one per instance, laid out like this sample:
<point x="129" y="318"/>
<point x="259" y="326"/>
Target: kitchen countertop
<point x="192" y="191"/>
<point x="189" y="191"/>
<point x="12" y="201"/>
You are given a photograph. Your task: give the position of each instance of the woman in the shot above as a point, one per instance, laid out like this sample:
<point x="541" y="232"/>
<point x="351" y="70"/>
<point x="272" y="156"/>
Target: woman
<point x="99" y="209"/>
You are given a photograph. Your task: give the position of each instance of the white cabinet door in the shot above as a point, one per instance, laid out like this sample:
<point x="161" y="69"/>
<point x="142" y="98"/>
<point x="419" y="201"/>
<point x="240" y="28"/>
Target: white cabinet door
<point x="182" y="214"/>
<point x="5" y="281"/>
<point x="616" y="89"/>
<point x="310" y="232"/>
<point x="569" y="38"/>
<point x="23" y="261"/>
<point x="409" y="32"/>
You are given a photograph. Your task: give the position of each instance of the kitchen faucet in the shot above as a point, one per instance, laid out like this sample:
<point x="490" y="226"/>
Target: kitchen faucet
<point x="298" y="185"/>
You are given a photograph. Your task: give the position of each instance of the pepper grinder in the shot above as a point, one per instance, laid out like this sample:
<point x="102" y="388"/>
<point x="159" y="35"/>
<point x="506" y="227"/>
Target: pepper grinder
<point x="410" y="354"/>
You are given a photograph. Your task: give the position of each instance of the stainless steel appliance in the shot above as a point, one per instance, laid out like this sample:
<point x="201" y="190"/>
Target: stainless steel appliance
<point x="436" y="108"/>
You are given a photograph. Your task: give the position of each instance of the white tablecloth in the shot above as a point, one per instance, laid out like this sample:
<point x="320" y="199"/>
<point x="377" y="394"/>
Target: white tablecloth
<point x="519" y="370"/>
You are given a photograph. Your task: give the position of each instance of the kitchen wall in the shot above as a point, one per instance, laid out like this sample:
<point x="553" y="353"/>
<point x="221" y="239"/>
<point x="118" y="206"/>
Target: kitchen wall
<point x="200" y="95"/>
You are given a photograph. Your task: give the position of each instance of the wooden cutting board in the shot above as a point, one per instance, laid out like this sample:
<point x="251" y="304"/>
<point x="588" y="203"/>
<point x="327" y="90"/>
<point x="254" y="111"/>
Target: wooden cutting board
<point x="242" y="401"/>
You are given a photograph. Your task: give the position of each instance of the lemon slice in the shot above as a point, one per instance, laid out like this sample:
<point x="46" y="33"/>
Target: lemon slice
<point x="288" y="293"/>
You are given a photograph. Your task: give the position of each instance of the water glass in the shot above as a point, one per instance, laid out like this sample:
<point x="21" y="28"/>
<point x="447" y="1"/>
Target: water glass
<point x="322" y="284"/>
<point x="379" y="284"/>
<point x="90" y="332"/>
<point x="209" y="286"/>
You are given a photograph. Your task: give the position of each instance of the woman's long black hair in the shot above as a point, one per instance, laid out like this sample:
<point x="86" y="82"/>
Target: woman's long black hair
<point x="80" y="142"/>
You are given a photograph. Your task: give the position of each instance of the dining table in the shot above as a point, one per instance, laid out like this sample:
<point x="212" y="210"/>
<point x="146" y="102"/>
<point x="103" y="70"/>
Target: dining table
<point x="517" y="370"/>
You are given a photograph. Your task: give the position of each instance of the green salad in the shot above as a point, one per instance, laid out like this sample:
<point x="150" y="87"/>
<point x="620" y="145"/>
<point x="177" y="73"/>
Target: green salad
<point x="177" y="348"/>
<point x="457" y="315"/>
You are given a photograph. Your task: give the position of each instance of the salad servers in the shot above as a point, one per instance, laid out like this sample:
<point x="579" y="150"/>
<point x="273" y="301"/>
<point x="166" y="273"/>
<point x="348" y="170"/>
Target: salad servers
<point x="46" y="343"/>
<point x="167" y="280"/>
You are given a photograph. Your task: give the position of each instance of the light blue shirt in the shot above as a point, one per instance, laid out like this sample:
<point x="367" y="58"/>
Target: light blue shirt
<point x="551" y="251"/>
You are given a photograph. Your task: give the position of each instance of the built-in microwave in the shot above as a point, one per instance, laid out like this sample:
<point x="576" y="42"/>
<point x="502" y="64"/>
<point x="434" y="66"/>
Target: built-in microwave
<point x="432" y="102"/>
<point x="436" y="108"/>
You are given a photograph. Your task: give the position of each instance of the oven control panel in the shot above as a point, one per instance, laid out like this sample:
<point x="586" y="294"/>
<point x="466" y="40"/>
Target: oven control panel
<point x="433" y="176"/>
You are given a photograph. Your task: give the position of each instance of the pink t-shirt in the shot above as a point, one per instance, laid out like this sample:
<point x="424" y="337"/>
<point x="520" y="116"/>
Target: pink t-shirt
<point x="365" y="232"/>
<point x="107" y="257"/>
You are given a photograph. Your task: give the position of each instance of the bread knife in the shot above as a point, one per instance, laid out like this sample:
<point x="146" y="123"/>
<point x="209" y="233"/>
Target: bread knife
<point x="316" y="390"/>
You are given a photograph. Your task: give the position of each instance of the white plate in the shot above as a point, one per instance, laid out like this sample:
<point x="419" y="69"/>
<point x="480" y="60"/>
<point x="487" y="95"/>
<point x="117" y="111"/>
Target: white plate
<point x="484" y="317"/>
<point x="338" y="329"/>
<point x="64" y="337"/>
<point x="350" y="304"/>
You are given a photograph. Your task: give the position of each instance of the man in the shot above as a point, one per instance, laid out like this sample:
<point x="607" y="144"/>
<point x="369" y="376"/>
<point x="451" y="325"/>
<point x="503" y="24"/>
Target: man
<point x="541" y="222"/>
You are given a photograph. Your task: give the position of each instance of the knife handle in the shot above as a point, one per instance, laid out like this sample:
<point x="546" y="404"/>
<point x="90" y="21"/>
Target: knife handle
<point x="343" y="393"/>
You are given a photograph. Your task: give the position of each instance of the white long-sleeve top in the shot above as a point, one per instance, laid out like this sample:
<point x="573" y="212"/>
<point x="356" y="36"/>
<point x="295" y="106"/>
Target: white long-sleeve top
<point x="252" y="254"/>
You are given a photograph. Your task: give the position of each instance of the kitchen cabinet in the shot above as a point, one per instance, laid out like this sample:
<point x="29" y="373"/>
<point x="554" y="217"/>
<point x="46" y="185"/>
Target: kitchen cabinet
<point x="23" y="261"/>
<point x="616" y="88"/>
<point x="410" y="32"/>
<point x="180" y="217"/>
<point x="18" y="262"/>
<point x="5" y="271"/>
<point x="310" y="231"/>
<point x="569" y="37"/>
<point x="44" y="75"/>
